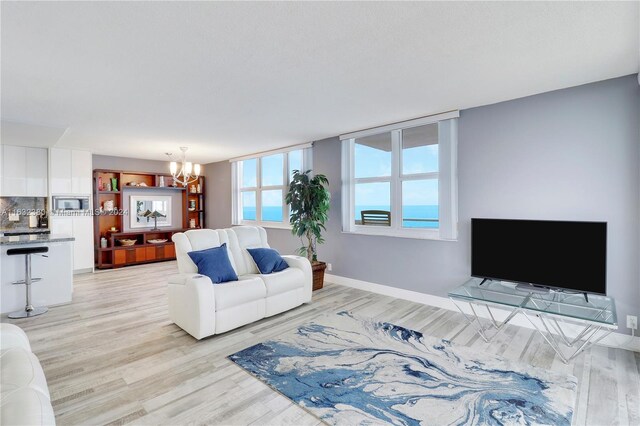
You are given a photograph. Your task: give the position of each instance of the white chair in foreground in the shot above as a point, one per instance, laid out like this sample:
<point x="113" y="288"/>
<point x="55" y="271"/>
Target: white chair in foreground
<point x="24" y="398"/>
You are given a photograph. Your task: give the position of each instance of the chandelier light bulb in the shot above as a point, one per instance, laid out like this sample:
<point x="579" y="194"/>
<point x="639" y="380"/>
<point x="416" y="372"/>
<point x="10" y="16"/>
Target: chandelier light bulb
<point x="184" y="175"/>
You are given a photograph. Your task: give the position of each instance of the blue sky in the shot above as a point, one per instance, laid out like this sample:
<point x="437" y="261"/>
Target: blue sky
<point x="371" y="162"/>
<point x="271" y="176"/>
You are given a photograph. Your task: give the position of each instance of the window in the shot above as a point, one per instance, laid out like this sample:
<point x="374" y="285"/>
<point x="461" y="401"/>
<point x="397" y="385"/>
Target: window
<point x="400" y="180"/>
<point x="260" y="185"/>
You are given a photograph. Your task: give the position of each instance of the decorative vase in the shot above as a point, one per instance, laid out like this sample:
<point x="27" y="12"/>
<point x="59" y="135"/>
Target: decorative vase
<point x="99" y="183"/>
<point x="114" y="184"/>
<point x="161" y="181"/>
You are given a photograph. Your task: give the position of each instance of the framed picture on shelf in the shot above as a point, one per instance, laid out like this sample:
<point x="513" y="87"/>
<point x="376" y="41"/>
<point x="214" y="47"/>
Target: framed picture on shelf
<point x="147" y="210"/>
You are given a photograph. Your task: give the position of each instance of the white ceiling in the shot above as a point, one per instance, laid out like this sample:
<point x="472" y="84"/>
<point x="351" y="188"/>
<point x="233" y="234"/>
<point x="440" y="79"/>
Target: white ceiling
<point x="138" y="79"/>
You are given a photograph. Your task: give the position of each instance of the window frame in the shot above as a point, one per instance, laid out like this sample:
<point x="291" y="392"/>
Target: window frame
<point x="446" y="175"/>
<point x="237" y="190"/>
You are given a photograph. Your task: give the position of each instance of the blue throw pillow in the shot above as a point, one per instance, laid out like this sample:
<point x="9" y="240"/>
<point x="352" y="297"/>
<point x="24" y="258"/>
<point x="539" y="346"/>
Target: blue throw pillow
<point x="215" y="264"/>
<point x="268" y="260"/>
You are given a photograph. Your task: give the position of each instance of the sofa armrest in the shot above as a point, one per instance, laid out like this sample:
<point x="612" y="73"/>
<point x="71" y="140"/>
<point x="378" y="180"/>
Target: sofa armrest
<point x="192" y="304"/>
<point x="303" y="264"/>
<point x="181" y="279"/>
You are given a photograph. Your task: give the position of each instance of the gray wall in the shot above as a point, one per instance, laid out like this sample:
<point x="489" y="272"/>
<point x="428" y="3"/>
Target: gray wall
<point x="572" y="154"/>
<point x="218" y="194"/>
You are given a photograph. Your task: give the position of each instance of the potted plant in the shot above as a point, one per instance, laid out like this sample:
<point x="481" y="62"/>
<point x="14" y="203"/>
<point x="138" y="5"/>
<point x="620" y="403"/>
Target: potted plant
<point x="309" y="197"/>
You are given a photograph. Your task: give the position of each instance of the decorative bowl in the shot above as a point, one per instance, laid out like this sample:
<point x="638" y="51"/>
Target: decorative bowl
<point x="157" y="241"/>
<point x="126" y="242"/>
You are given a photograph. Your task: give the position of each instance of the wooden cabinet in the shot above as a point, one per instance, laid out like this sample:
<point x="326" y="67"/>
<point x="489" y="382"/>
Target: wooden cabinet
<point x="24" y="171"/>
<point x="196" y="205"/>
<point x="119" y="256"/>
<point x="169" y="251"/>
<point x="70" y="171"/>
<point x="150" y="253"/>
<point x="116" y="255"/>
<point x="110" y="226"/>
<point x="141" y="254"/>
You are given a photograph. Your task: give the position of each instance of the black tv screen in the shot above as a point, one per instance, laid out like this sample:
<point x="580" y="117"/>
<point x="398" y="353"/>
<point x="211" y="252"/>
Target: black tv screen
<point x="568" y="255"/>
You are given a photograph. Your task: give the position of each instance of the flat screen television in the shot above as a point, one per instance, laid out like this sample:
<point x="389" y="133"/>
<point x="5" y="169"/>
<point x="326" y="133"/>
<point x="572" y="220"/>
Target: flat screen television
<point x="556" y="254"/>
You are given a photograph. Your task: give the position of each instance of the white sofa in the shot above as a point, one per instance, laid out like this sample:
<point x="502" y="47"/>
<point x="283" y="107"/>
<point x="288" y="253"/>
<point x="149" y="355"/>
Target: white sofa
<point x="202" y="308"/>
<point x="24" y="395"/>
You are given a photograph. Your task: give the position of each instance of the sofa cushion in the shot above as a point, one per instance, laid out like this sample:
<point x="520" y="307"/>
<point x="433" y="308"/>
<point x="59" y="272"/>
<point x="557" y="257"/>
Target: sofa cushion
<point x="246" y="289"/>
<point x="20" y="368"/>
<point x="267" y="260"/>
<point x="283" y="281"/>
<point x="214" y="263"/>
<point x="242" y="237"/>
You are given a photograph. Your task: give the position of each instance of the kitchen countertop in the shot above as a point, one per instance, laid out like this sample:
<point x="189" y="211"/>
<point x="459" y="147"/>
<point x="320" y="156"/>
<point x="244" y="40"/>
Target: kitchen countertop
<point x="25" y="230"/>
<point x="34" y="239"/>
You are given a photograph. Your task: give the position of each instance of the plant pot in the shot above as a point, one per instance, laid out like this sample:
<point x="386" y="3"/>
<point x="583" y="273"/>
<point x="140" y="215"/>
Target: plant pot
<point x="318" y="274"/>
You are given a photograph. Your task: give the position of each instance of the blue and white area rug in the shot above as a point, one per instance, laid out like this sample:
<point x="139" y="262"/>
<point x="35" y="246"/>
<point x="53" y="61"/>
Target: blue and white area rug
<point x="349" y="371"/>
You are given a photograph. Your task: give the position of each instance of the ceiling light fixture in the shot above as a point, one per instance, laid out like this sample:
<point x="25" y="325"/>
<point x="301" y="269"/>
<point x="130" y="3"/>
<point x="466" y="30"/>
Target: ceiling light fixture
<point x="188" y="173"/>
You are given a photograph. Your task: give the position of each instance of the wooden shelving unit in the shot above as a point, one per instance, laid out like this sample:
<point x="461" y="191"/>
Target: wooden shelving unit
<point x="110" y="224"/>
<point x="195" y="204"/>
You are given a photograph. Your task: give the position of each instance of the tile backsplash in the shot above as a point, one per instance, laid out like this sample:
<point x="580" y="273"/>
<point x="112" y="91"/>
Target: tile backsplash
<point x="22" y="205"/>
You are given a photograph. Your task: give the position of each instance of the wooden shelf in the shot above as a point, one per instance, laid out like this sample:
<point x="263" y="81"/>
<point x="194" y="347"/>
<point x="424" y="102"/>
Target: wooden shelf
<point x="172" y="188"/>
<point x="114" y="255"/>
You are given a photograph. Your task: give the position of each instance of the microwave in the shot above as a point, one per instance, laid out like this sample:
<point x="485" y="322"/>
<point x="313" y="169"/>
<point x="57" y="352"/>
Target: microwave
<point x="70" y="203"/>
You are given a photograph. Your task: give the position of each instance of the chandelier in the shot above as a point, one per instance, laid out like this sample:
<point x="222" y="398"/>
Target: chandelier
<point x="188" y="173"/>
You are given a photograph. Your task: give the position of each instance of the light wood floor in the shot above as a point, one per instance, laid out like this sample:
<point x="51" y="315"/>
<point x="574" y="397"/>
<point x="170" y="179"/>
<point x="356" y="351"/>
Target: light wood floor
<point x="113" y="357"/>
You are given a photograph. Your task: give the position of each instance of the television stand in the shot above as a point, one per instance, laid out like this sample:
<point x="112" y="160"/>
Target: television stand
<point x="553" y="314"/>
<point x="532" y="288"/>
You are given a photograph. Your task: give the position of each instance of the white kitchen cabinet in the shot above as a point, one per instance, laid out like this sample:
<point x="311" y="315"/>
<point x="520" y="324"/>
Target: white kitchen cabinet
<point x="81" y="228"/>
<point x="60" y="171"/>
<point x="81" y="162"/>
<point x="37" y="172"/>
<point x="70" y="172"/>
<point x="24" y="171"/>
<point x="61" y="225"/>
<point x="14" y="169"/>
<point x="83" y="245"/>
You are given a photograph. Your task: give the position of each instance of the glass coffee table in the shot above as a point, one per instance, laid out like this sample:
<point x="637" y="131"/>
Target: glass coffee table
<point x="555" y="314"/>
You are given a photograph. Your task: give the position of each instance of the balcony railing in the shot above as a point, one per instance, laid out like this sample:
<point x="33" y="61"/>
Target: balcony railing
<point x="359" y="222"/>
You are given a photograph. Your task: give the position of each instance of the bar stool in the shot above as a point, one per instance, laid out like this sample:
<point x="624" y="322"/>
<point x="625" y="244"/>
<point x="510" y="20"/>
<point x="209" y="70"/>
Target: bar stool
<point x="29" y="310"/>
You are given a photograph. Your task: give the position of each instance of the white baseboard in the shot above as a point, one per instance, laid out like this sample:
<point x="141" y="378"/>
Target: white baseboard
<point x="616" y="340"/>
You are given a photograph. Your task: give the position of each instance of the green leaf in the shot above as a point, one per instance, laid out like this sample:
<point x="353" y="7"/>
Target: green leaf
<point x="309" y="200"/>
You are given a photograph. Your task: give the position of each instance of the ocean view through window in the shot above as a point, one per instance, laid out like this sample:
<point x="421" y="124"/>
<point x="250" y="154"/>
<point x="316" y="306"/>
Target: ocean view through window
<point x="260" y="184"/>
<point x="400" y="181"/>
